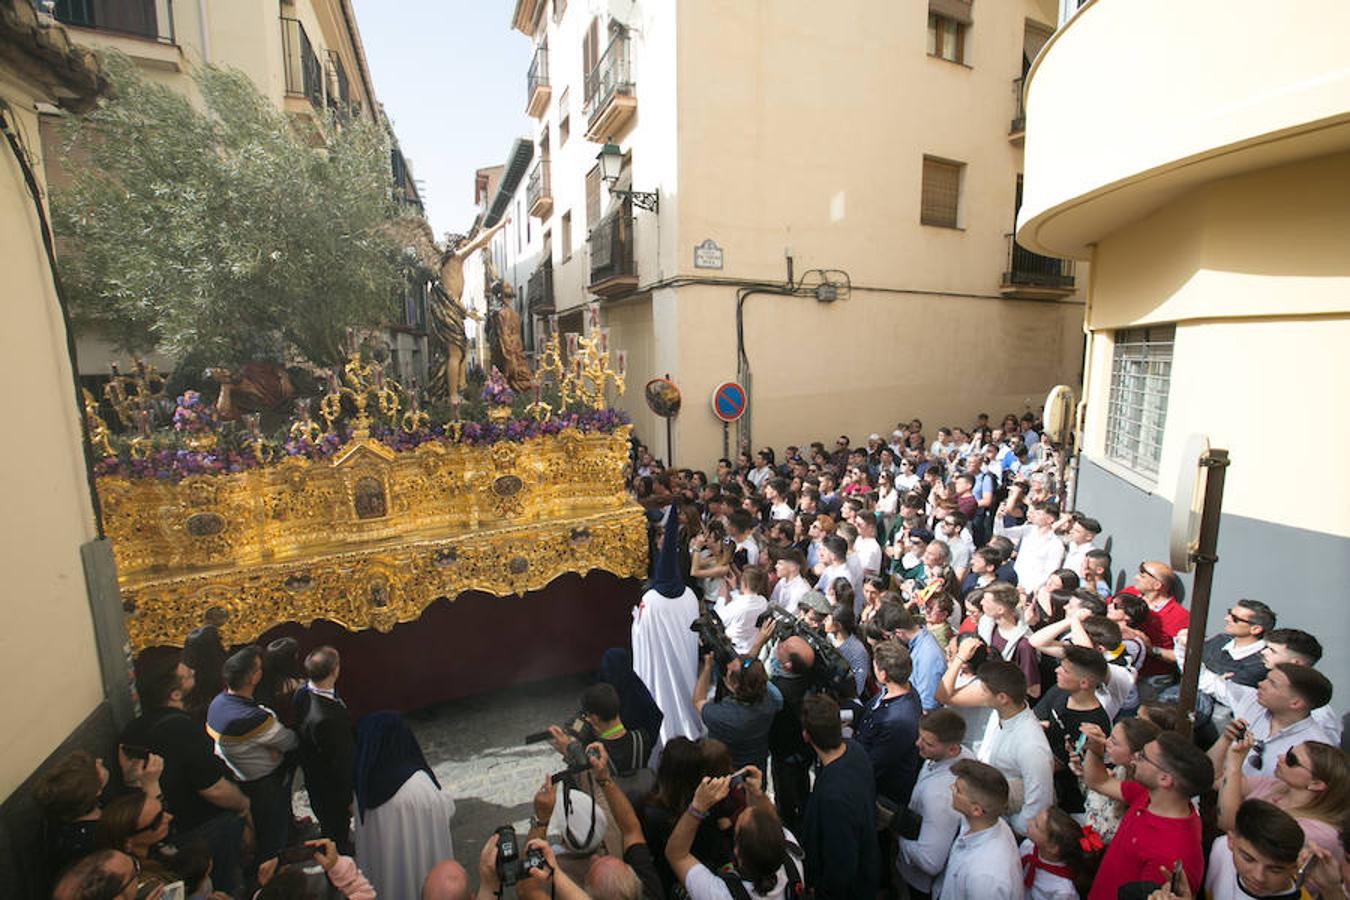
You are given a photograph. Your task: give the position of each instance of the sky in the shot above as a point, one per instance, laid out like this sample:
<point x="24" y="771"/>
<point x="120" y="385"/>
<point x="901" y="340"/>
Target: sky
<point x="451" y="76"/>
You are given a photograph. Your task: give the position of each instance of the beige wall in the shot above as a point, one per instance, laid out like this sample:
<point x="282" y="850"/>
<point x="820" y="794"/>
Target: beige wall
<point x="1266" y="243"/>
<point x="862" y="364"/>
<point x="1113" y="133"/>
<point x="48" y="662"/>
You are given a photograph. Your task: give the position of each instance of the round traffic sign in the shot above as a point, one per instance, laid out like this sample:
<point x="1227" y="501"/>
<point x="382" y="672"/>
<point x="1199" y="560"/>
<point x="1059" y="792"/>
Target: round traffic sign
<point x="728" y="401"/>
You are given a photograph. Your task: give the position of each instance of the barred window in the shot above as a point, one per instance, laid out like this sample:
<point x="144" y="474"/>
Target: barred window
<point x="941" y="198"/>
<point x="1136" y="414"/>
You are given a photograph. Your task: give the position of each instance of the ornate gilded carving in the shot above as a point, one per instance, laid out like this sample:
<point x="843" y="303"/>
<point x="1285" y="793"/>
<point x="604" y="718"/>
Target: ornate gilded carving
<point x="370" y="537"/>
<point x="382" y="586"/>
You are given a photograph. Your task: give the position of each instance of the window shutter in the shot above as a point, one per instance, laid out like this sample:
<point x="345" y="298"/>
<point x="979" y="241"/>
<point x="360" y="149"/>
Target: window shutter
<point x="941" y="193"/>
<point x="593" y="197"/>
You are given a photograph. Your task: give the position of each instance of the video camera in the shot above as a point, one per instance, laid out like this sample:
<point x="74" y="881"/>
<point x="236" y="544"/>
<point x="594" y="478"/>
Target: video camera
<point x="830" y="671"/>
<point x="510" y="866"/>
<point x="575" y="754"/>
<point x="712" y="638"/>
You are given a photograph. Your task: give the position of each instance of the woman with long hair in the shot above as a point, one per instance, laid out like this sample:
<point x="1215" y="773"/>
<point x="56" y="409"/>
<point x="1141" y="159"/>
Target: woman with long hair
<point x="1311" y="783"/>
<point x="402" y="815"/>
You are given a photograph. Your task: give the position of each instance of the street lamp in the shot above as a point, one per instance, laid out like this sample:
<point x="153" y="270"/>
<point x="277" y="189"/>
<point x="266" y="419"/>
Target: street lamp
<point x="610" y="159"/>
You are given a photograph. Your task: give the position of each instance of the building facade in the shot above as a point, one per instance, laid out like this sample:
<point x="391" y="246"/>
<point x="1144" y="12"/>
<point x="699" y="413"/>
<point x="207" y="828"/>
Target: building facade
<point x="303" y="55"/>
<point x="55" y="691"/>
<point x="767" y="144"/>
<point x="1211" y="195"/>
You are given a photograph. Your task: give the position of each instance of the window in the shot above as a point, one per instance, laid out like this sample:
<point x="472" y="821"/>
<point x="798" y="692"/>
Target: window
<point x="941" y="201"/>
<point x="565" y="235"/>
<point x="593" y="197"/>
<point x="520" y="232"/>
<point x="946" y="38"/>
<point x="559" y="7"/>
<point x="1141" y="373"/>
<point x="564" y="118"/>
<point x="590" y="55"/>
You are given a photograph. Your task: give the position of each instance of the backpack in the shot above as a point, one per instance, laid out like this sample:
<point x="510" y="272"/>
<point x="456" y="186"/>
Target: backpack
<point x="795" y="888"/>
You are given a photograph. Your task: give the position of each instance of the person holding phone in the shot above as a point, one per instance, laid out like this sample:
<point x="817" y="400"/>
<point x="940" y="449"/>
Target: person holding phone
<point x="284" y="874"/>
<point x="1161" y="826"/>
<point x="1065" y="708"/>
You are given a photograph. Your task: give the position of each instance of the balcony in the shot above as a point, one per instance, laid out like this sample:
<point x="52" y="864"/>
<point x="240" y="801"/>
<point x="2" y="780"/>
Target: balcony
<point x="539" y="191"/>
<point x="148" y="19"/>
<point x="1030" y="276"/>
<point x="539" y="289"/>
<point x="1018" y="129"/>
<point x="613" y="267"/>
<point x="537" y="90"/>
<point x="304" y="75"/>
<point x="525" y="16"/>
<point x="610" y="100"/>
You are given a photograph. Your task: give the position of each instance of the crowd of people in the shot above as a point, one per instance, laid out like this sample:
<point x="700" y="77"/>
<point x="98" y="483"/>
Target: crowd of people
<point x="897" y="669"/>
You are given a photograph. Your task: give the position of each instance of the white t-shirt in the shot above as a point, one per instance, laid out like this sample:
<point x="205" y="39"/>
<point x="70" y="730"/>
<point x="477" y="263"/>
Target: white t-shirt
<point x="739" y="612"/>
<point x="704" y="884"/>
<point x="751" y="550"/>
<point x="1221" y="878"/>
<point x="869" y="555"/>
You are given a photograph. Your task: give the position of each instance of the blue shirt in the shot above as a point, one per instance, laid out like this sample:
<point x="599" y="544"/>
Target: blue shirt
<point x="929" y="664"/>
<point x="888" y="734"/>
<point x="854" y="653"/>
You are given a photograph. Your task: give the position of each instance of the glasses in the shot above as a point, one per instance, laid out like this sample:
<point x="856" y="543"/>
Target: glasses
<point x="153" y="824"/>
<point x="1239" y="619"/>
<point x="135" y="875"/>
<point x="1258" y="757"/>
<point x="1153" y="762"/>
<point x="951" y="523"/>
<point x="1291" y="760"/>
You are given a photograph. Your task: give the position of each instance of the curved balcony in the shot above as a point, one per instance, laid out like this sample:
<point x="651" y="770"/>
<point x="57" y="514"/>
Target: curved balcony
<point x="1134" y="102"/>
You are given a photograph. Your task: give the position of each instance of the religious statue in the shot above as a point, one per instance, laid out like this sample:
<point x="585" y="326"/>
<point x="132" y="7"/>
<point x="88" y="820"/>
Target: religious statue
<point x="446" y="307"/>
<point x="504" y="333"/>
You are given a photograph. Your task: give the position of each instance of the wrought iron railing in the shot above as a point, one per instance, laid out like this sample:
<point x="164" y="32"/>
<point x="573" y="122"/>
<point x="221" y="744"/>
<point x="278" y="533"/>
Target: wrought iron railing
<point x="339" y="88"/>
<point x="538" y="74"/>
<point x="540" y="288"/>
<point x="1019" y="119"/>
<point x="304" y="75"/>
<point x="151" y="19"/>
<point x="611" y="76"/>
<point x="611" y="244"/>
<point x="1027" y="269"/>
<point x="539" y="185"/>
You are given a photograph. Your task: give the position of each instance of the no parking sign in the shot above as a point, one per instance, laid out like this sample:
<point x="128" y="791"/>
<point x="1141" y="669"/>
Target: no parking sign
<point x="728" y="401"/>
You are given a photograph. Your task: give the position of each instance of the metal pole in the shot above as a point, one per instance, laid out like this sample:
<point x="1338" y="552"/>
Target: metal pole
<point x="726" y="439"/>
<point x="670" y="438"/>
<point x="1215" y="463"/>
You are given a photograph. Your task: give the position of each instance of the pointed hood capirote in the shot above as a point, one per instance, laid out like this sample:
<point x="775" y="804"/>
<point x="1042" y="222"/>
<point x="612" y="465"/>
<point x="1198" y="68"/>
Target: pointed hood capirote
<point x="666" y="579"/>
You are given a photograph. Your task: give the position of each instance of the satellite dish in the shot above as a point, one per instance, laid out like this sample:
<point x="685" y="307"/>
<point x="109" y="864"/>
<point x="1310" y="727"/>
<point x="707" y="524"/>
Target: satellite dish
<point x="1187" y="503"/>
<point x="1059" y="414"/>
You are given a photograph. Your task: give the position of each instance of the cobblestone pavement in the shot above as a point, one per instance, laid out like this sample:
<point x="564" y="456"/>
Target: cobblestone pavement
<point x="476" y="746"/>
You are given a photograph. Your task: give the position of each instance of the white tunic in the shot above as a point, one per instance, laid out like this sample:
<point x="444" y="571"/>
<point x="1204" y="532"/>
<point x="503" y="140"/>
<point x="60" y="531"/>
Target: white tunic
<point x="399" y="841"/>
<point x="665" y="657"/>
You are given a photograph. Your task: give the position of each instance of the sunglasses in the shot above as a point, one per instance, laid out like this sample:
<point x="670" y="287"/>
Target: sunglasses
<point x="1238" y="619"/>
<point x="1258" y="757"/>
<point x="1291" y="760"/>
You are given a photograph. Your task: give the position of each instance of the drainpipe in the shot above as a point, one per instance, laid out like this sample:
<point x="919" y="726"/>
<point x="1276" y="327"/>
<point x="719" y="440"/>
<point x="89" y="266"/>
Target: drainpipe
<point x="205" y="32"/>
<point x="1080" y="414"/>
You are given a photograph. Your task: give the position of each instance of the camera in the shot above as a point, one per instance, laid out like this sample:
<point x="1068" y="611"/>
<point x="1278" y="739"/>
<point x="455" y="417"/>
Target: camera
<point x="831" y="671"/>
<point x="511" y="866"/>
<point x="712" y="638"/>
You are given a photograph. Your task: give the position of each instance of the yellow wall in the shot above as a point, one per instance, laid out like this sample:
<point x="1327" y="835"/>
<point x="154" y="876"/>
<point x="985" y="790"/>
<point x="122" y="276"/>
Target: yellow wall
<point x="1130" y="95"/>
<point x="1271" y="242"/>
<point x="48" y="662"/>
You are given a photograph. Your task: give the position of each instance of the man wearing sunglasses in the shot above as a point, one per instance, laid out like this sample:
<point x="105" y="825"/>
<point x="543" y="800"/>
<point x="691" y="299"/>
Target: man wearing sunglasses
<point x="1277" y="713"/>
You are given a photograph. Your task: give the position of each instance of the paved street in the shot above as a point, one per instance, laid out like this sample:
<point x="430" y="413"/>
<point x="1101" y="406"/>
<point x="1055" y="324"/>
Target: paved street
<point x="476" y="747"/>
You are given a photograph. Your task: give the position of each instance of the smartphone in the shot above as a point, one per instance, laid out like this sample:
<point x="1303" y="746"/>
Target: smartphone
<point x="1302" y="874"/>
<point x="1178" y="876"/>
<point x="135" y="751"/>
<point x="737" y="779"/>
<point x="175" y="891"/>
<point x="1079" y="744"/>
<point x="297" y="854"/>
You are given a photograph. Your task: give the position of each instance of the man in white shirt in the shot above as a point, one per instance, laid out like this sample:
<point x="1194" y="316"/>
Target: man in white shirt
<point x="1258" y="857"/>
<point x="1276" y="713"/>
<point x="1014" y="741"/>
<point x="866" y="547"/>
<point x="1039" y="550"/>
<point x="762" y="471"/>
<point x="738" y="609"/>
<point x="984" y="863"/>
<point x="834" y="556"/>
<point x="791" y="586"/>
<point x="952" y="531"/>
<point x="741" y="526"/>
<point x="1082" y="532"/>
<point x="930" y="825"/>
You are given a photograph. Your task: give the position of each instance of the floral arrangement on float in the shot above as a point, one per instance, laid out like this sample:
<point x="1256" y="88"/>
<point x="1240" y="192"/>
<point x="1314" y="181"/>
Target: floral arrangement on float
<point x="359" y="403"/>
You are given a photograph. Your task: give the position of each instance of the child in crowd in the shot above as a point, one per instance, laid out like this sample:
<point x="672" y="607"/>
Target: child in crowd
<point x="1059" y="857"/>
